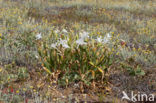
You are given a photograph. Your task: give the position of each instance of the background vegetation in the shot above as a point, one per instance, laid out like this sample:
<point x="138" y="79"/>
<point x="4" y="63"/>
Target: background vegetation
<point x="76" y="50"/>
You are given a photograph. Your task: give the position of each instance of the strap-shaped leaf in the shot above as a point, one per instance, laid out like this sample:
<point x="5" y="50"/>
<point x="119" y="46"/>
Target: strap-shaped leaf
<point x="47" y="70"/>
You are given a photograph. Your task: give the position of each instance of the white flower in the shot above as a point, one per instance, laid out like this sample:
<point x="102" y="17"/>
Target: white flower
<point x="108" y="35"/>
<point x="36" y="56"/>
<point x="65" y="46"/>
<point x="54" y="45"/>
<point x="63" y="43"/>
<point x="60" y="42"/>
<point x="76" y="85"/>
<point x="81" y="41"/>
<point x="64" y="31"/>
<point x="84" y="35"/>
<point x="107" y="38"/>
<point x="99" y="39"/>
<point x="38" y="36"/>
<point x="57" y="31"/>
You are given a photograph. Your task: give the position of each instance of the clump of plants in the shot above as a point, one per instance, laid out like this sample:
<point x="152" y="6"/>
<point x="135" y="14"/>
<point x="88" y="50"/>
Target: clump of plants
<point x="76" y="59"/>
